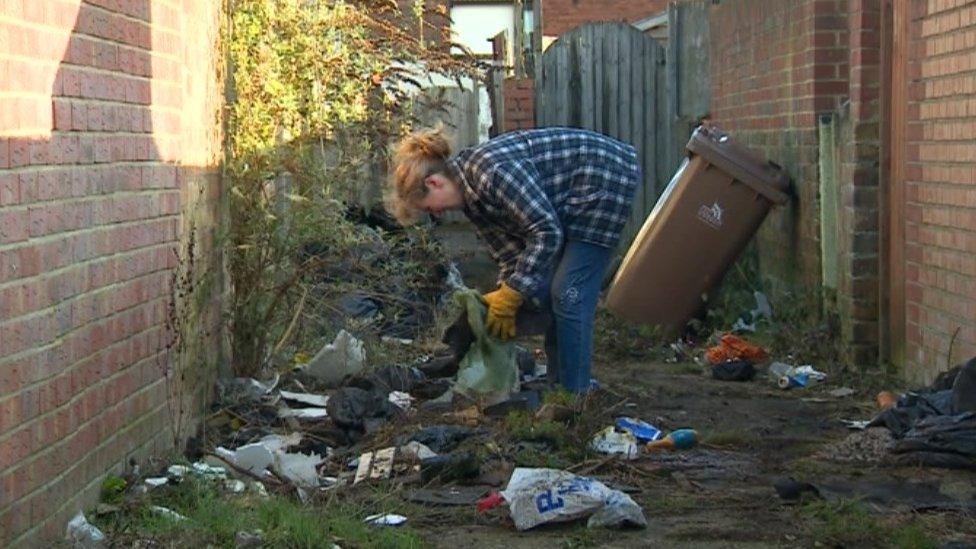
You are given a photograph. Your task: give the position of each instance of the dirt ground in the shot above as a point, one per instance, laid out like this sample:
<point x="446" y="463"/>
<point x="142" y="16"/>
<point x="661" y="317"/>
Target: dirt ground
<point x="722" y="494"/>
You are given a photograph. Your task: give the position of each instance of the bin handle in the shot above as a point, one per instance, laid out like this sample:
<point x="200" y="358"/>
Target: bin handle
<point x="775" y="165"/>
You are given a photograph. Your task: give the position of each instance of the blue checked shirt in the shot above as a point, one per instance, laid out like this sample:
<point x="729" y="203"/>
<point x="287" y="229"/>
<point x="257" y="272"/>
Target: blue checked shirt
<point x="528" y="191"/>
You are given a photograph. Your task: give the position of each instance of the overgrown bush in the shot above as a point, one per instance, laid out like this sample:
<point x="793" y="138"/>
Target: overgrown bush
<point x="320" y="88"/>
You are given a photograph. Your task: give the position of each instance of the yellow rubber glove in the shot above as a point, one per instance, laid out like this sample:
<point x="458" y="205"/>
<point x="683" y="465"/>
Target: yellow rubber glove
<point x="502" y="305"/>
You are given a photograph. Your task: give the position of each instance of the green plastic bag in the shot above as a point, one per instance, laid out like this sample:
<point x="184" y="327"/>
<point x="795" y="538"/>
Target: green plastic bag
<point x="489" y="372"/>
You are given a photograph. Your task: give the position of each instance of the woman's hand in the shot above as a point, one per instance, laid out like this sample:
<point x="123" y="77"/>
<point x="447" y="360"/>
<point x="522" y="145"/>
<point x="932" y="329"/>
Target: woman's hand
<point x="502" y="305"/>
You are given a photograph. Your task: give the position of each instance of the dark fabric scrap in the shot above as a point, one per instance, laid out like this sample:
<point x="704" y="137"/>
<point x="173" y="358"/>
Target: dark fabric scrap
<point x="734" y="370"/>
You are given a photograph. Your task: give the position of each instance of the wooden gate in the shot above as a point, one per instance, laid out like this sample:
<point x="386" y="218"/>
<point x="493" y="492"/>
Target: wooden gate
<point x="609" y="77"/>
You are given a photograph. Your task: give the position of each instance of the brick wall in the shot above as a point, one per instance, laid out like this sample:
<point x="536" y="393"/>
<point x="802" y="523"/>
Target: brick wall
<point x="940" y="187"/>
<point x="108" y="140"/>
<point x="777" y="64"/>
<point x="519" y="94"/>
<point x="858" y="202"/>
<point x="560" y="16"/>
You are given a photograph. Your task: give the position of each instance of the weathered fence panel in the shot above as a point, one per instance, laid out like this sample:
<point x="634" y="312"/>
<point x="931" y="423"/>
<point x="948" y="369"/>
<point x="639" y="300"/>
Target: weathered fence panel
<point x="609" y="77"/>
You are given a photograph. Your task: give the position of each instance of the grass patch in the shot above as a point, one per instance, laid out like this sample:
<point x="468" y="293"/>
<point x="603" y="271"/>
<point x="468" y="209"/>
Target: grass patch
<point x="524" y="426"/>
<point x="848" y="523"/>
<point x="214" y="519"/>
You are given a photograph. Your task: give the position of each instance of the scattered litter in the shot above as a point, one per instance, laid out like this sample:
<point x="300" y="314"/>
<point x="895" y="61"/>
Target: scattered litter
<point x="470" y="416"/>
<point x="168" y="513"/>
<point x="355" y="409"/>
<point x="734" y="370"/>
<point x="451" y="496"/>
<point x="401" y="400"/>
<point x="732" y="347"/>
<point x="306" y="398"/>
<point x="400" y="340"/>
<point x="244" y="389"/>
<point x="642" y="431"/>
<point x="253" y="458"/>
<point x="886" y="399"/>
<point x="259" y="489"/>
<point x="681" y="439"/>
<point x="385" y="520"/>
<point x="209" y="471"/>
<point x="612" y="442"/>
<point x="82" y="534"/>
<point x="299" y="469"/>
<point x="789" y="377"/>
<point x="249" y="540"/>
<point x="303" y="413"/>
<point x="281" y="442"/>
<point x="747" y="321"/>
<point x="235" y="486"/>
<point x="386" y="379"/>
<point x="178" y="471"/>
<point x="375" y="465"/>
<point x="442" y="438"/>
<point x="156" y="482"/>
<point x="842" y="392"/>
<point x="416" y="450"/>
<point x="344" y="356"/>
<point x="856" y="424"/>
<point x="540" y="496"/>
<point x="490" y="501"/>
<point x="450" y="467"/>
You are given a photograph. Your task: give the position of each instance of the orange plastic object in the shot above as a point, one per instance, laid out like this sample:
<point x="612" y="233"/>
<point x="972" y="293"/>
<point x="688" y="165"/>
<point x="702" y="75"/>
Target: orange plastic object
<point x="886" y="399"/>
<point x="733" y="347"/>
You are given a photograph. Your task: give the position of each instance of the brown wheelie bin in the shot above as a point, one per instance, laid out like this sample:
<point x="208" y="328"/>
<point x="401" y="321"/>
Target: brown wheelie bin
<point x="711" y="208"/>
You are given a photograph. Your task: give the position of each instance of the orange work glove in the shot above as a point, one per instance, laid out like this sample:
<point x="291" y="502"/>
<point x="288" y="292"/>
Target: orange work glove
<point x="502" y="305"/>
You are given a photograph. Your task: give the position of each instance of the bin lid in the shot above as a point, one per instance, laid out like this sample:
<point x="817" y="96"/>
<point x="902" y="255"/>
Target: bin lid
<point x="763" y="176"/>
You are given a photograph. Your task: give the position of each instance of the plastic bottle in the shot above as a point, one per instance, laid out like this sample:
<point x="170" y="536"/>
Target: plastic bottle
<point x="681" y="439"/>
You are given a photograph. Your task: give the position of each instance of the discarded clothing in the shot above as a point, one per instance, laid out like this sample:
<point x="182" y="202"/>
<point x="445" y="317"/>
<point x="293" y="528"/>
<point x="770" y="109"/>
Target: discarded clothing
<point x="442" y="438"/>
<point x="386" y="379"/>
<point x="351" y="408"/>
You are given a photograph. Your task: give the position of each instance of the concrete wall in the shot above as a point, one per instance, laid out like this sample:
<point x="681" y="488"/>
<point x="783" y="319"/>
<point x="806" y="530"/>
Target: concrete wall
<point x="109" y="146"/>
<point x="940" y="185"/>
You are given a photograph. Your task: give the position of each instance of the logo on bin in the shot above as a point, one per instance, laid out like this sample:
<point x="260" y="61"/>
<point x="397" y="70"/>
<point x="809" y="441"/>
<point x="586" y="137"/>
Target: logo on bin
<point x="712" y="215"/>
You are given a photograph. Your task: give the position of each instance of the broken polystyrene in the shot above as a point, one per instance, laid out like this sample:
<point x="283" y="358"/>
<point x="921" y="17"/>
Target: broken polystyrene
<point x="178" y="471"/>
<point x="156" y="482"/>
<point x="401" y="400"/>
<point x="209" y="471"/>
<point x="616" y="443"/>
<point x="299" y="469"/>
<point x="253" y="458"/>
<point x="303" y="413"/>
<point x="234" y="486"/>
<point x="375" y="465"/>
<point x="281" y="442"/>
<point x="167" y="513"/>
<point x="385" y="520"/>
<point x="306" y="398"/>
<point x="344" y="356"/>
<point x="83" y="534"/>
<point x="540" y="496"/>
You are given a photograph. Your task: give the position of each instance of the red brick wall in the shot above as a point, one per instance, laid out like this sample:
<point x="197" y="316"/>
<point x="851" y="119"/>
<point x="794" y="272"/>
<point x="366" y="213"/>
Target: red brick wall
<point x="519" y="96"/>
<point x="108" y="134"/>
<point x="777" y="64"/>
<point x="560" y="16"/>
<point x="859" y="284"/>
<point x="940" y="188"/>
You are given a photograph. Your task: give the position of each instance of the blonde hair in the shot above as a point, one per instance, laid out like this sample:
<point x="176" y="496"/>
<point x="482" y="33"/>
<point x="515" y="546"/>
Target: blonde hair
<point x="418" y="155"/>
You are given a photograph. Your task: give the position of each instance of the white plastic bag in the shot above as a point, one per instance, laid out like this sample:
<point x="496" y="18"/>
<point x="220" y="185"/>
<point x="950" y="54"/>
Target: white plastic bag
<point x="83" y="534"/>
<point x="539" y="496"/>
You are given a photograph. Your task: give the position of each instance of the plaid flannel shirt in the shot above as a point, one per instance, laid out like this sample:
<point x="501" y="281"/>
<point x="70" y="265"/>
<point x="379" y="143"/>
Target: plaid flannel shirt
<point x="528" y="191"/>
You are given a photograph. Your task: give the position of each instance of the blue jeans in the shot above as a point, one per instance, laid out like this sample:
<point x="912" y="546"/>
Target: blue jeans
<point x="570" y="299"/>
